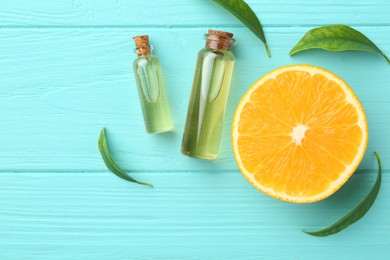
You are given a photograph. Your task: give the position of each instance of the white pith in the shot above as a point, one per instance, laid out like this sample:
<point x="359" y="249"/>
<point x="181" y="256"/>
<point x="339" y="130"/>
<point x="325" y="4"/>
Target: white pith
<point x="299" y="131"/>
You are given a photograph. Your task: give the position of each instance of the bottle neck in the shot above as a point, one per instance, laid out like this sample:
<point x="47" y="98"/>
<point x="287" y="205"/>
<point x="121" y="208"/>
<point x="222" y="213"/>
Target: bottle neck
<point x="143" y="50"/>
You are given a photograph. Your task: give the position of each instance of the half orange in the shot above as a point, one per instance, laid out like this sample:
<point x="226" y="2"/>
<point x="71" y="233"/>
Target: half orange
<point x="299" y="133"/>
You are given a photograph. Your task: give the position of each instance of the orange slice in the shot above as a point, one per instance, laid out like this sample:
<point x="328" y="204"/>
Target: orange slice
<point x="299" y="133"/>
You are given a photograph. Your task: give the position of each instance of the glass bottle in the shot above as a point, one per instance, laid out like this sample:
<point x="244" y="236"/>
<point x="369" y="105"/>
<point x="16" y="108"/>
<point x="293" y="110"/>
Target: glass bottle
<point x="151" y="89"/>
<point x="210" y="91"/>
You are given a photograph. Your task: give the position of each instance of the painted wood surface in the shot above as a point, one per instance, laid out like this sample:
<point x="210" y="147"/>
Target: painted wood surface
<point x="201" y="215"/>
<point x="193" y="13"/>
<point x="66" y="71"/>
<point x="60" y="86"/>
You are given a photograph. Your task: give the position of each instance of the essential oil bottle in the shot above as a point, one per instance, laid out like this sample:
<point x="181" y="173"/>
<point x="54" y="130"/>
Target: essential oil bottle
<point x="210" y="91"/>
<point x="151" y="89"/>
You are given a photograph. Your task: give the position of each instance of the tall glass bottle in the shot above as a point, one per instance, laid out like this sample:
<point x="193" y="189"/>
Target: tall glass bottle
<point x="151" y="89"/>
<point x="210" y="91"/>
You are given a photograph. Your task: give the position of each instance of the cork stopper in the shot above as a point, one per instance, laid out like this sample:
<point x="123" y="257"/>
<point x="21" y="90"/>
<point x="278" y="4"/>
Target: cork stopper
<point x="219" y="40"/>
<point x="221" y="33"/>
<point x="142" y="46"/>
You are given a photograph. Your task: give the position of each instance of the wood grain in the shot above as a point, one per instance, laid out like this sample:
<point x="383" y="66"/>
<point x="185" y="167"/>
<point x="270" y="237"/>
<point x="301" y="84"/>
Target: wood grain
<point x="193" y="216"/>
<point x="192" y="13"/>
<point x="66" y="71"/>
<point x="60" y="86"/>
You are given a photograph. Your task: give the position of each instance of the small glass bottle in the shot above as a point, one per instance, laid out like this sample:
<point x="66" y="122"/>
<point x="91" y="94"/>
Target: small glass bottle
<point x="210" y="91"/>
<point x="151" y="89"/>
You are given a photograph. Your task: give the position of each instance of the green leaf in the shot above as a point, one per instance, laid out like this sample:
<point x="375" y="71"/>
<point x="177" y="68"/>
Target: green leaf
<point x="357" y="212"/>
<point x="111" y="164"/>
<point x="245" y="14"/>
<point x="337" y="37"/>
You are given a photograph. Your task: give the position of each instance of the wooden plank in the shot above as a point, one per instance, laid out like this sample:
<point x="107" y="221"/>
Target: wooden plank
<point x="60" y="86"/>
<point x="188" y="13"/>
<point x="186" y="216"/>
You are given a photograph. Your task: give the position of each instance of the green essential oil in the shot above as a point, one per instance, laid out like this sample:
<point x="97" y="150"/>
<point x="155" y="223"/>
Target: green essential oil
<point x="151" y="89"/>
<point x="210" y="91"/>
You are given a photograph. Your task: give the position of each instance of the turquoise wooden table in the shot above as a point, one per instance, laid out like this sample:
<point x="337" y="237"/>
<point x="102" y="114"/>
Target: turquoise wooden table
<point x="66" y="71"/>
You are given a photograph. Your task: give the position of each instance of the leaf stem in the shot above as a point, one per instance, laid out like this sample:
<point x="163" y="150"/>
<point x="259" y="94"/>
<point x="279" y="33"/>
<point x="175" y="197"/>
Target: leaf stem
<point x="387" y="58"/>
<point x="267" y="49"/>
<point x="379" y="161"/>
<point x="145" y="183"/>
